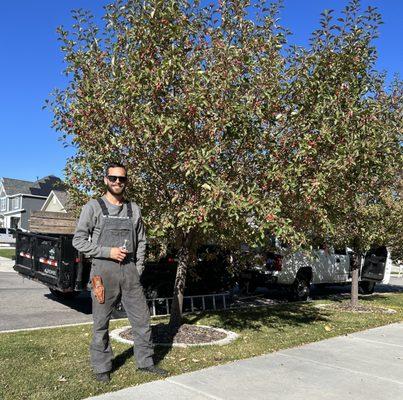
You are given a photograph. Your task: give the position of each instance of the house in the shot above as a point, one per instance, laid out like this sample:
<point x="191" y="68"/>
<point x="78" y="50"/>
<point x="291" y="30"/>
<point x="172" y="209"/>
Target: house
<point x="18" y="198"/>
<point x="57" y="201"/>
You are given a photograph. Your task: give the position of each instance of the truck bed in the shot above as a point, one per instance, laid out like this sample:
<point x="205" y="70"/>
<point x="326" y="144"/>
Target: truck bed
<point x="52" y="260"/>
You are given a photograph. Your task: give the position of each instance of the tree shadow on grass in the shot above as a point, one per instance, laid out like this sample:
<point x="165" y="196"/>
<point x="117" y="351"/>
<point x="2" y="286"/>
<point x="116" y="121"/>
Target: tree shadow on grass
<point x="291" y="314"/>
<point x="373" y="297"/>
<point x="279" y="316"/>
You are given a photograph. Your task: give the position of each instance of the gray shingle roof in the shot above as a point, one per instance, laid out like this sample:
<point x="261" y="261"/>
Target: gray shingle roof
<point x="62" y="196"/>
<point x="41" y="187"/>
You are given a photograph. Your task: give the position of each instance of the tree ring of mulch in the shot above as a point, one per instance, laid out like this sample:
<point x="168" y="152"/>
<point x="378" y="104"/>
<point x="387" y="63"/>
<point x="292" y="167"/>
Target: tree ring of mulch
<point x="358" y="309"/>
<point x="187" y="335"/>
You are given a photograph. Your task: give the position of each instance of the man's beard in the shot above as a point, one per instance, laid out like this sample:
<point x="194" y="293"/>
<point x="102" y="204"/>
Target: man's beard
<point x="115" y="190"/>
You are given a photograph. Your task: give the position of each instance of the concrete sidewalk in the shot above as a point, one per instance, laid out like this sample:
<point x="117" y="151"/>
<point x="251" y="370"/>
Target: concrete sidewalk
<point x="364" y="365"/>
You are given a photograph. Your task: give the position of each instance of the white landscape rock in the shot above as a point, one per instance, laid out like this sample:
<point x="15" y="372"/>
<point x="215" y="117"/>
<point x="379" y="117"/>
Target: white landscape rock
<point x="231" y="336"/>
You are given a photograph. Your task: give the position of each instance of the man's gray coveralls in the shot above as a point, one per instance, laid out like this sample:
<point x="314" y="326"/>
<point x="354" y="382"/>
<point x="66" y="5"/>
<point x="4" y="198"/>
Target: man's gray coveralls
<point x="109" y="226"/>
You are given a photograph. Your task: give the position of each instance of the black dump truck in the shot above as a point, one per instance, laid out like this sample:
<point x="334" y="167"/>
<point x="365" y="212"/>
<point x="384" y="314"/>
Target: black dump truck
<point x="51" y="259"/>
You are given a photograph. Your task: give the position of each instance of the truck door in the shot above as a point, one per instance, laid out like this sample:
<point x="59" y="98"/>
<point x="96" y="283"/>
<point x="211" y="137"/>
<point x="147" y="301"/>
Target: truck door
<point x="25" y="258"/>
<point x="341" y="265"/>
<point x="373" y="268"/>
<point x="48" y="259"/>
<point x="324" y="266"/>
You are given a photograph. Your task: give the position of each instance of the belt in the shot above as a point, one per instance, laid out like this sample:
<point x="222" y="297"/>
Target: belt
<point x="130" y="257"/>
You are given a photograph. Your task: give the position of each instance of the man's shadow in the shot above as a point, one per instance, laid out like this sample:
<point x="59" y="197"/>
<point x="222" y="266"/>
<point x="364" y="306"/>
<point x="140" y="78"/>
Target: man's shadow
<point x="160" y="352"/>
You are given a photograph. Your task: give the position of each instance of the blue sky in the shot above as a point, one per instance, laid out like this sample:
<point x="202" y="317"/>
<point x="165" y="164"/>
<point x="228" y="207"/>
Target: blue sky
<point x="31" y="67"/>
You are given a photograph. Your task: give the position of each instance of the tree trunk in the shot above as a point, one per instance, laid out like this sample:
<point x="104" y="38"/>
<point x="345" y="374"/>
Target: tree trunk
<point x="355" y="267"/>
<point x="175" y="320"/>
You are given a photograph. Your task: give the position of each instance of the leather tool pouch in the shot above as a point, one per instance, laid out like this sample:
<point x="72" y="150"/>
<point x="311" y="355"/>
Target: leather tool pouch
<point x="98" y="288"/>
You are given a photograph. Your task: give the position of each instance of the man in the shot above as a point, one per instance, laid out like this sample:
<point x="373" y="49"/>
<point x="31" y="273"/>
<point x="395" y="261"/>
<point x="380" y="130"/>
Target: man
<point x="110" y="230"/>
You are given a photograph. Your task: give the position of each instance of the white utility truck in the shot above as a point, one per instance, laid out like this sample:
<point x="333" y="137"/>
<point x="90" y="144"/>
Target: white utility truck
<point x="326" y="265"/>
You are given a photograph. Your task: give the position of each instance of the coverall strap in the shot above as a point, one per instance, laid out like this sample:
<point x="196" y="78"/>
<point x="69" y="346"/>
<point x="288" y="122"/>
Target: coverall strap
<point x="129" y="209"/>
<point x="103" y="206"/>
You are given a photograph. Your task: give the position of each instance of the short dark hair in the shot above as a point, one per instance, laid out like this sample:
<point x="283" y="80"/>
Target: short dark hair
<point x="114" y="165"/>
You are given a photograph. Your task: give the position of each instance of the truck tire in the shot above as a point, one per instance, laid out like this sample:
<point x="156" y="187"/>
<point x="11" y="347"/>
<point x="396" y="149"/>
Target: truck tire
<point x="63" y="295"/>
<point x="300" y="289"/>
<point x="366" y="287"/>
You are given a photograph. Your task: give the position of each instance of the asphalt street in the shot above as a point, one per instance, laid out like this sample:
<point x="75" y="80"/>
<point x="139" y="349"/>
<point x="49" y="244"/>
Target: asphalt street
<point x="28" y="304"/>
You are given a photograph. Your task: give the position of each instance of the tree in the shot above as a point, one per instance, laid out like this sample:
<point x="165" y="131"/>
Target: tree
<point x="228" y="134"/>
<point x="178" y="92"/>
<point x="344" y="129"/>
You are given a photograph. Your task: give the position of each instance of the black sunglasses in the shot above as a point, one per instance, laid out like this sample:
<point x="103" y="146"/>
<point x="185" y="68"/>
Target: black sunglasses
<point x="113" y="178"/>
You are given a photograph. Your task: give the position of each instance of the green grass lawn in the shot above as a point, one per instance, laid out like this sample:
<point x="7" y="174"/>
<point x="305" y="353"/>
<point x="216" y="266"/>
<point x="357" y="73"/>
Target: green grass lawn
<point x="7" y="253"/>
<point x="54" y="363"/>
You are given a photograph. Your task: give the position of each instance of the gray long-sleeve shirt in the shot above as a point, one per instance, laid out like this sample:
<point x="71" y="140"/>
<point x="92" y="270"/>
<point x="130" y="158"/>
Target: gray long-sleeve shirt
<point x="88" y="229"/>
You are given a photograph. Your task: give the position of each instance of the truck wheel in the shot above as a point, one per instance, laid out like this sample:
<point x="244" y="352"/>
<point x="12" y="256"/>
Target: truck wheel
<point x="366" y="287"/>
<point x="63" y="295"/>
<point x="300" y="289"/>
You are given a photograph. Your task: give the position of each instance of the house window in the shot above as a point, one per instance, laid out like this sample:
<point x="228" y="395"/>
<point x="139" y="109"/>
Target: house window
<point x="15" y="203"/>
<point x="3" y="203"/>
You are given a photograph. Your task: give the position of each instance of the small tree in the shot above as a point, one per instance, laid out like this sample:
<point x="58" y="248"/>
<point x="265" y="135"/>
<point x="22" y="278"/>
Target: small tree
<point x="344" y="129"/>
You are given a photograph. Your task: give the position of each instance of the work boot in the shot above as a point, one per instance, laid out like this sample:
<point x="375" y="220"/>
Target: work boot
<point x="103" y="377"/>
<point x="154" y="370"/>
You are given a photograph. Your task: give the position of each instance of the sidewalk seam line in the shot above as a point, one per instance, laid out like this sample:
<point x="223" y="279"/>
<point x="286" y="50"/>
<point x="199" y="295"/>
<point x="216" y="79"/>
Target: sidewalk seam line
<point x="194" y="390"/>
<point x="341" y="368"/>
<point x="376" y="341"/>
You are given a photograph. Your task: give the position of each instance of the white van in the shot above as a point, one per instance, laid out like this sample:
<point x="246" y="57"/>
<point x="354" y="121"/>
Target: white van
<point x="298" y="270"/>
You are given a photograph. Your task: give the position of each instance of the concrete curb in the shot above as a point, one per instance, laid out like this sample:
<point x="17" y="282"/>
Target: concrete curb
<point x="54" y="326"/>
<point x="231" y="336"/>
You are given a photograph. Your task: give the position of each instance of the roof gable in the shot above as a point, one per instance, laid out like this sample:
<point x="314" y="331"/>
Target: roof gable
<point x="61" y="197"/>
